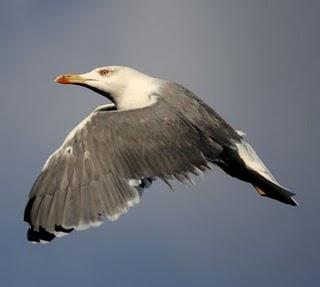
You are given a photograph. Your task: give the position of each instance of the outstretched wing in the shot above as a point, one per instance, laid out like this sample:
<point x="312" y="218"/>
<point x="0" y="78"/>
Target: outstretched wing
<point x="90" y="176"/>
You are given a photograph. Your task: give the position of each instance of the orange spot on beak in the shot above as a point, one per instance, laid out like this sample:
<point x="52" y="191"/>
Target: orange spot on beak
<point x="62" y="79"/>
<point x="70" y="79"/>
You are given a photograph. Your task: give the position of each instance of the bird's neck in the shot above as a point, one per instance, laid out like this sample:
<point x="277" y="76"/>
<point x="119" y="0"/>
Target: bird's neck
<point x="138" y="94"/>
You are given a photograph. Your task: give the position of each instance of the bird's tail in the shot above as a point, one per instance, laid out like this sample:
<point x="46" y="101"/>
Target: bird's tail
<point x="260" y="176"/>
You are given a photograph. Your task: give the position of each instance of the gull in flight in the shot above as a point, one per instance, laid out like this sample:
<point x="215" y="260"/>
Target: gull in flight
<point x="154" y="129"/>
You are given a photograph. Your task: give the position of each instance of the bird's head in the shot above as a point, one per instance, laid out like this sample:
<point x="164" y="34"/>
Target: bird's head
<point x="112" y="81"/>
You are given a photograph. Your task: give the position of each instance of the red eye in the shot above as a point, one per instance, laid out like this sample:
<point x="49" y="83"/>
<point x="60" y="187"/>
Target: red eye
<point x="104" y="72"/>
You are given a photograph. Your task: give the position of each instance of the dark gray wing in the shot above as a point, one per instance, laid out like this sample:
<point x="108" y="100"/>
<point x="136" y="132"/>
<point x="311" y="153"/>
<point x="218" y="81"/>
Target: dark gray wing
<point x="88" y="177"/>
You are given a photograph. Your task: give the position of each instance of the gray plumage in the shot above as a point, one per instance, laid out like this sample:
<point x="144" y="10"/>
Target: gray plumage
<point x="105" y="163"/>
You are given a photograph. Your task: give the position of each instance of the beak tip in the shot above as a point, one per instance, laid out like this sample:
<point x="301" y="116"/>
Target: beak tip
<point x="61" y="79"/>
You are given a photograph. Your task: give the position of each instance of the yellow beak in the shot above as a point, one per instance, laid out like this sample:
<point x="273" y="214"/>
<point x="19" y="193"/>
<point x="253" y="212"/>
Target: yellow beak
<point x="70" y="79"/>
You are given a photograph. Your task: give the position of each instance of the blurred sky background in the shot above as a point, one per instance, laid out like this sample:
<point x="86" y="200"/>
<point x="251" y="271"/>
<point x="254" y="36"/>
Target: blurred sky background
<point x="256" y="62"/>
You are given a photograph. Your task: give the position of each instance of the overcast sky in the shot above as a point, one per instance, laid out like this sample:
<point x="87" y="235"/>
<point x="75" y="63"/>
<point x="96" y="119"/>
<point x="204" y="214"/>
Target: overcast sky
<point x="256" y="62"/>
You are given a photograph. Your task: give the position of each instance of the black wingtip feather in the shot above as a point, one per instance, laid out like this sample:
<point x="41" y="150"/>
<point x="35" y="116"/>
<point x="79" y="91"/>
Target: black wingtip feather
<point x="39" y="236"/>
<point x="42" y="235"/>
<point x="27" y="210"/>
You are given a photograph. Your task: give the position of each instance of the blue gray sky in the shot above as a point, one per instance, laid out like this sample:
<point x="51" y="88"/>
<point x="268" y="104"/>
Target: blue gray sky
<point x="256" y="62"/>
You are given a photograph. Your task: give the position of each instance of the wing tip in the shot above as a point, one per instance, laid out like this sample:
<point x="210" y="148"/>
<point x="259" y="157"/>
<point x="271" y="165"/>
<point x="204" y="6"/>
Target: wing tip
<point x="293" y="201"/>
<point x="43" y="236"/>
<point x="285" y="196"/>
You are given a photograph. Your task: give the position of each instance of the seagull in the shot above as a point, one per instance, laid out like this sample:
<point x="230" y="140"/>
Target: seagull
<point x="154" y="129"/>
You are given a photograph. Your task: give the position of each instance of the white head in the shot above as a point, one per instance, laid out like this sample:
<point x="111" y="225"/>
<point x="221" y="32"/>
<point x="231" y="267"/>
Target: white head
<point x="126" y="87"/>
